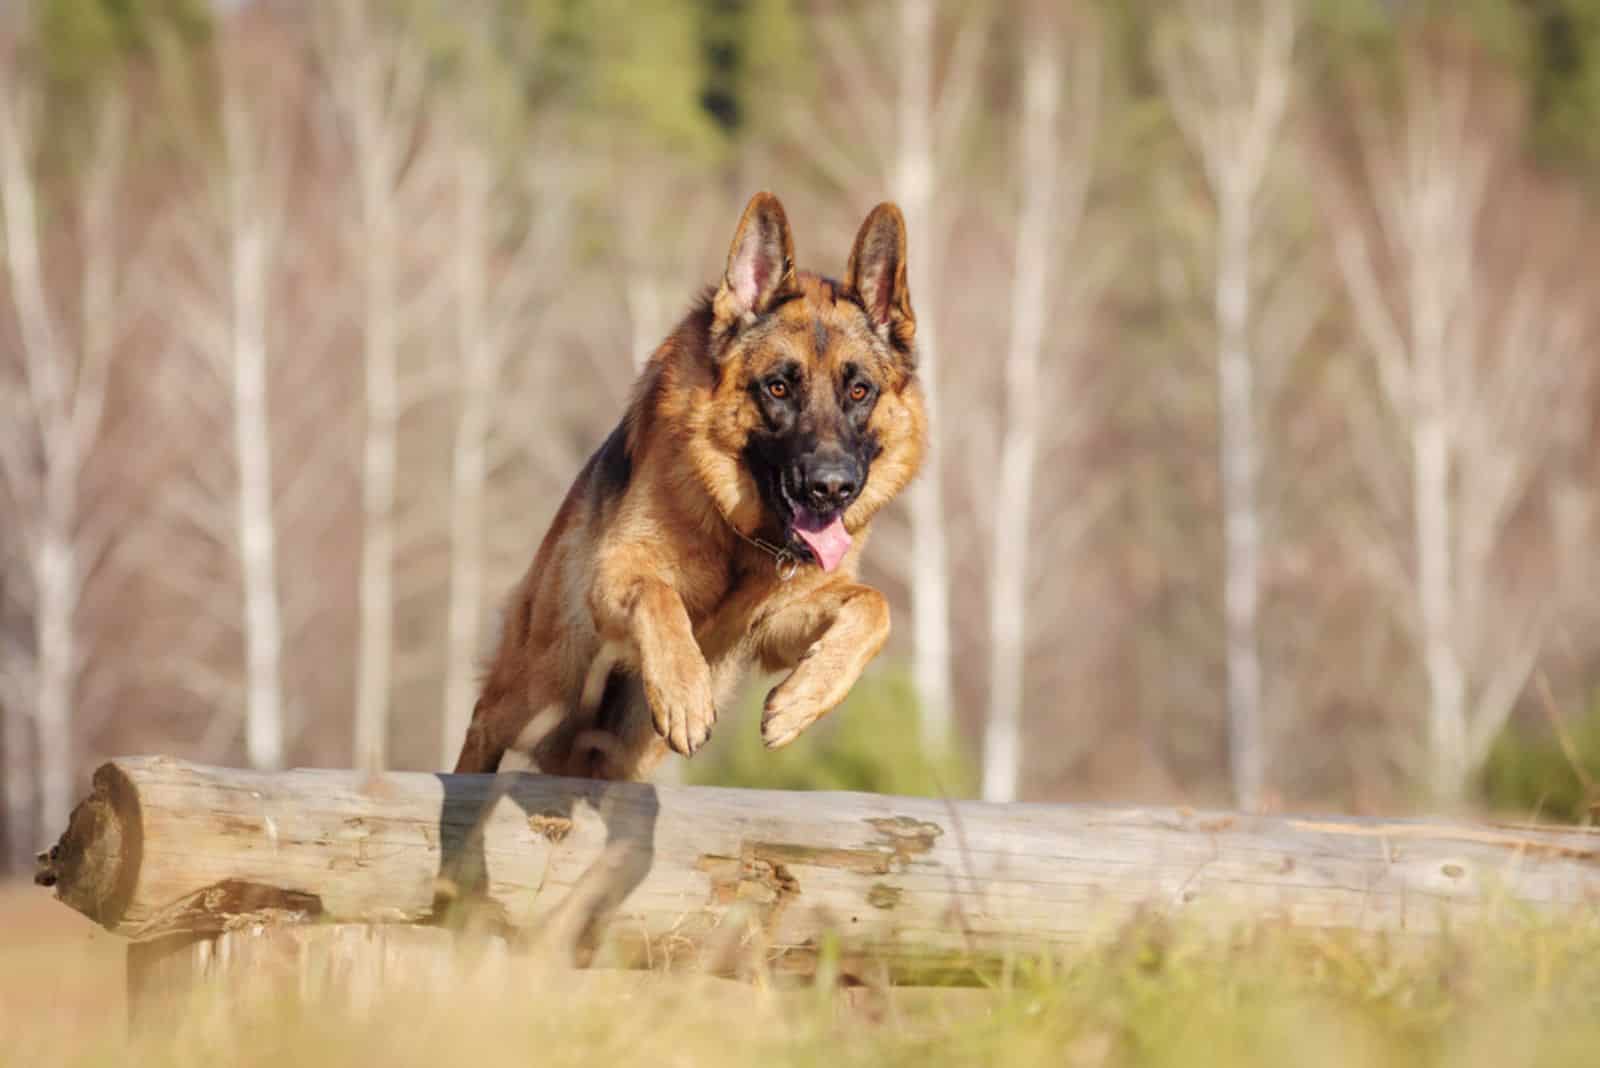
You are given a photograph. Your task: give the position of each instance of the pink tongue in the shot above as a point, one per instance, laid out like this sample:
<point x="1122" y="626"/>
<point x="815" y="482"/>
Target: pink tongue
<point x="829" y="543"/>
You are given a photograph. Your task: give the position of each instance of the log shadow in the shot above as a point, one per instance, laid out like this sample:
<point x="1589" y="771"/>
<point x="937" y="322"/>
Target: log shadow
<point x="573" y="928"/>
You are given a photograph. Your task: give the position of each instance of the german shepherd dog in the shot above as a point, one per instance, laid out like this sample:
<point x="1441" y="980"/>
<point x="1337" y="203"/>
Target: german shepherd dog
<point x="722" y="521"/>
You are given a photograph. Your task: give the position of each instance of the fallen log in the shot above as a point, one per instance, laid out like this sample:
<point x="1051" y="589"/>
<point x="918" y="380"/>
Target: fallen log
<point x="631" y="874"/>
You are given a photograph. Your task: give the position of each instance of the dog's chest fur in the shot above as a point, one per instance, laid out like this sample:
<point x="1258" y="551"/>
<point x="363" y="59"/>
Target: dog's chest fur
<point x="752" y="590"/>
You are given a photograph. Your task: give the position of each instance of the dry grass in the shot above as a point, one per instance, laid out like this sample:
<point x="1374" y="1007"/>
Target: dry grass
<point x="60" y="975"/>
<point x="1518" y="993"/>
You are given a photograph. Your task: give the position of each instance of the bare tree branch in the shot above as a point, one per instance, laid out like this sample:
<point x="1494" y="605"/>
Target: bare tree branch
<point x="1476" y="370"/>
<point x="1230" y="98"/>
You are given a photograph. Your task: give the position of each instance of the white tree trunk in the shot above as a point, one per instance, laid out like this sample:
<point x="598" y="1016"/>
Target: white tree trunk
<point x="470" y="465"/>
<point x="1229" y="84"/>
<point x="1447" y="688"/>
<point x="383" y="95"/>
<point x="18" y="789"/>
<point x="1478" y="372"/>
<point x="913" y="181"/>
<point x="1240" y="510"/>
<point x="643" y="295"/>
<point x="252" y="441"/>
<point x="376" y="649"/>
<point x="379" y="88"/>
<point x="1008" y="572"/>
<point x="64" y="386"/>
<point x="56" y="596"/>
<point x="53" y="554"/>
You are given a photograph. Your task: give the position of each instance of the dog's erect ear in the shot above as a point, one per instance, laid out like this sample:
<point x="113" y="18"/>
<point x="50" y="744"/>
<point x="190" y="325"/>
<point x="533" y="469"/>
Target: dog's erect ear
<point x="760" y="265"/>
<point x="877" y="273"/>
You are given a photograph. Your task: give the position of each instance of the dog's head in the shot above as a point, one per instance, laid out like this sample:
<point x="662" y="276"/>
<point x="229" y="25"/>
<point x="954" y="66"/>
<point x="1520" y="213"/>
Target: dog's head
<point x="816" y="419"/>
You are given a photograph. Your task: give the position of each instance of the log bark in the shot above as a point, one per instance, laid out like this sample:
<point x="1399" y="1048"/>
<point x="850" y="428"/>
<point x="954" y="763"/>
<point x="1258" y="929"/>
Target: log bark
<point x="631" y="874"/>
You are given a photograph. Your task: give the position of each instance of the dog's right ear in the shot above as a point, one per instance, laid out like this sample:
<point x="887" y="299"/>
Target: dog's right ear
<point x="877" y="274"/>
<point x="760" y="266"/>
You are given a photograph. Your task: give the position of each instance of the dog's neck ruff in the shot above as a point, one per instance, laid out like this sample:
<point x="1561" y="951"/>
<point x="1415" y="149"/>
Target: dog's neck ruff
<point x="788" y="564"/>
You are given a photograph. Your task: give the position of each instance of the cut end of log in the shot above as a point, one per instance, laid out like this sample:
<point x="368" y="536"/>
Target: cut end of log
<point x="95" y="865"/>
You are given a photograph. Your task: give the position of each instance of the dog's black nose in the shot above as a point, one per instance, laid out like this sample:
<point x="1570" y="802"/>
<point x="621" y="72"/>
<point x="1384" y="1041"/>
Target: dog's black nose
<point x="831" y="482"/>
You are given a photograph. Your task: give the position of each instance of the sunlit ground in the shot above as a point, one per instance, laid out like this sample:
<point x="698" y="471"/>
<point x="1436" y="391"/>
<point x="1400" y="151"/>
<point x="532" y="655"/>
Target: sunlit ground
<point x="1514" y="993"/>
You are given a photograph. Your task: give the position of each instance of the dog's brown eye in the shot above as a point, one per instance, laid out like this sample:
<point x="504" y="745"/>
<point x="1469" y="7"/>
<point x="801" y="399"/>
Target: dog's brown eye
<point x="858" y="392"/>
<point x="778" y="390"/>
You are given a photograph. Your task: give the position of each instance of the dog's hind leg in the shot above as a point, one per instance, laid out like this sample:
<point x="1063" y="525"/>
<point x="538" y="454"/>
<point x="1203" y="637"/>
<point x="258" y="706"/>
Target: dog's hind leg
<point x="610" y="735"/>
<point x="828" y="640"/>
<point x="515" y="712"/>
<point x="622" y="743"/>
<point x="487" y="738"/>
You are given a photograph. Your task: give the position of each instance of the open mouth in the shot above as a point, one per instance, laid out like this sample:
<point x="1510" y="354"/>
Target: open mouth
<point x="824" y="537"/>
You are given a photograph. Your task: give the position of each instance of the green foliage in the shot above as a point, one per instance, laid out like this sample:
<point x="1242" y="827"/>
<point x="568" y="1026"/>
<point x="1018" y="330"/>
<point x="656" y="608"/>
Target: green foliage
<point x="753" y="57"/>
<point x="83" y="44"/>
<point x="680" y="74"/>
<point x="1354" y="42"/>
<point x="484" y="64"/>
<point x="1533" y="775"/>
<point x="1565" y="82"/>
<point x="869" y="743"/>
<point x="1553" y="46"/>
<point x="655" y="75"/>
<point x="642" y="67"/>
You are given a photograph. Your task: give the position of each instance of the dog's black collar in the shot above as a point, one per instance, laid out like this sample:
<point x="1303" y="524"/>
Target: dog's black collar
<point x="787" y="561"/>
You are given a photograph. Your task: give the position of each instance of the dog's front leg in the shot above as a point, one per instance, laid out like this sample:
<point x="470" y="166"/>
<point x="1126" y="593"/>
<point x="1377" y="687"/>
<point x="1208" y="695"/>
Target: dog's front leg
<point x="828" y="639"/>
<point x="677" y="683"/>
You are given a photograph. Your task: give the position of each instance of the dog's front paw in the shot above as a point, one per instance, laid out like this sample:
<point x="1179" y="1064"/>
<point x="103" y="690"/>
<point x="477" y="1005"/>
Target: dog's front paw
<point x="681" y="703"/>
<point x="789" y="711"/>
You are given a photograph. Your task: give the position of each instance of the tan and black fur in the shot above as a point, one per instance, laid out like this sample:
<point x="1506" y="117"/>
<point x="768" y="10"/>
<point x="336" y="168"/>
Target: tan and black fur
<point x="647" y="600"/>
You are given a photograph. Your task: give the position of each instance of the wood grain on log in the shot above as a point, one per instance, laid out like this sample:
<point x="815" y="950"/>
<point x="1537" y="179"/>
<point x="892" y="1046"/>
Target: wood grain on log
<point x="683" y="874"/>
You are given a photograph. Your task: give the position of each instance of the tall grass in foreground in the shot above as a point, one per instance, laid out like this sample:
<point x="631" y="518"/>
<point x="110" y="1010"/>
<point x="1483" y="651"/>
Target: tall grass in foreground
<point x="1514" y="994"/>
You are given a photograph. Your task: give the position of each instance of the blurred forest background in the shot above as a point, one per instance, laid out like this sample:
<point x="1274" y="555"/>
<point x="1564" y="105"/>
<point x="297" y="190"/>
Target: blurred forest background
<point x="1261" y="338"/>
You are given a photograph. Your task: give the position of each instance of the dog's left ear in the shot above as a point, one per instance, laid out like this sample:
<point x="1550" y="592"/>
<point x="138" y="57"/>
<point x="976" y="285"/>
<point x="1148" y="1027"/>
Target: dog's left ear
<point x="877" y="273"/>
<point x="760" y="265"/>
